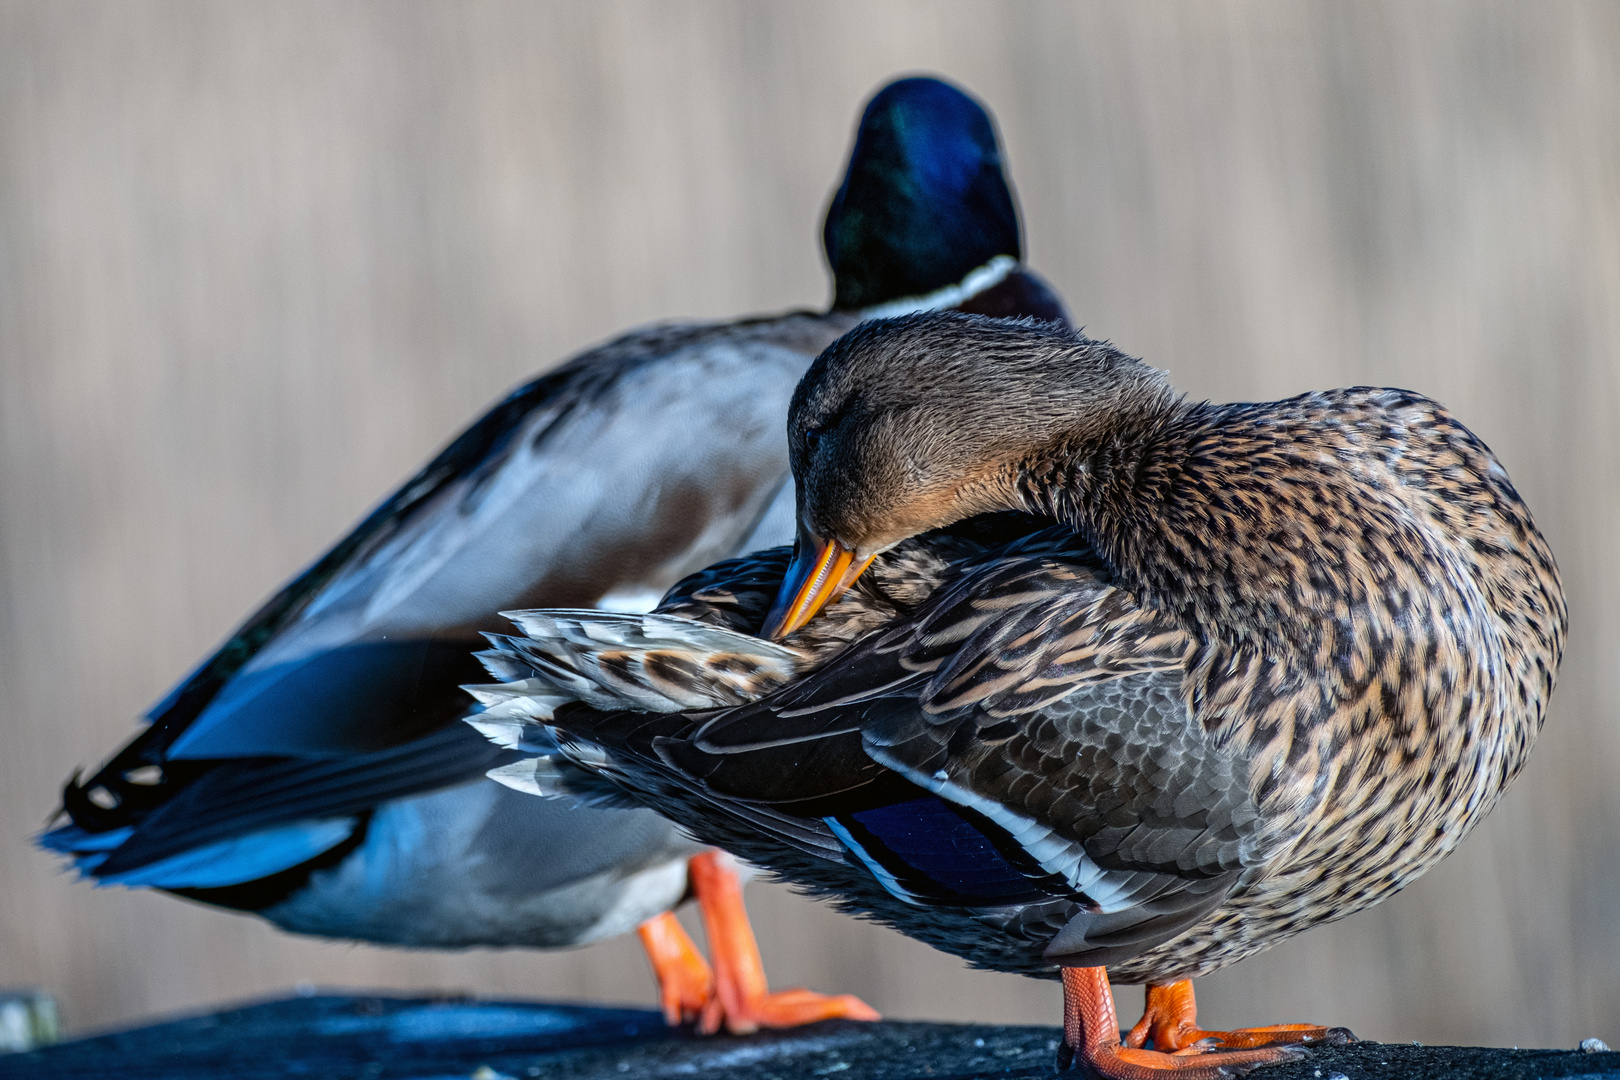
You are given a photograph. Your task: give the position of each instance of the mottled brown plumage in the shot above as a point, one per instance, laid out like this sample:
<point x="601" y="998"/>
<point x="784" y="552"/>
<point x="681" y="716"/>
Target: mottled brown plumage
<point x="1276" y="662"/>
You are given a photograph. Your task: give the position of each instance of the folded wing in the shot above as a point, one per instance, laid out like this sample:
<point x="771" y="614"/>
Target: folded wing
<point x="599" y="483"/>
<point x="1026" y="737"/>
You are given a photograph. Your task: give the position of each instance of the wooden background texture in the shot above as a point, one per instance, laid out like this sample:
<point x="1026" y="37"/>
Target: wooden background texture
<point x="259" y="260"/>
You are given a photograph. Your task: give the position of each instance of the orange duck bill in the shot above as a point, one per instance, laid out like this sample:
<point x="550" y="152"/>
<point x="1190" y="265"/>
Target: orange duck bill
<point x="820" y="572"/>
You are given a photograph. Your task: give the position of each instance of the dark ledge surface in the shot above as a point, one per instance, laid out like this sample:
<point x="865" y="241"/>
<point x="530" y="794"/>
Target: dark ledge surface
<point x="370" y="1037"/>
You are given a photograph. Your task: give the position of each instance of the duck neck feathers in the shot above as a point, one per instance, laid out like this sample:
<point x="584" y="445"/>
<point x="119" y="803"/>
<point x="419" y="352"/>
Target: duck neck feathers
<point x="1115" y="488"/>
<point x="1248" y="521"/>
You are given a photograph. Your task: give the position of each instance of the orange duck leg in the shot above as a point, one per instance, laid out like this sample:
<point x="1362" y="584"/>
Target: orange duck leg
<point x="1091" y="1042"/>
<point x="1170" y="1021"/>
<point x="685" y="983"/>
<point x="745" y="1001"/>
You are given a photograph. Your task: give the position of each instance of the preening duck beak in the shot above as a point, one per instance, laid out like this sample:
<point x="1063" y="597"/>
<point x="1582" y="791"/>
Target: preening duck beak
<point x="820" y="572"/>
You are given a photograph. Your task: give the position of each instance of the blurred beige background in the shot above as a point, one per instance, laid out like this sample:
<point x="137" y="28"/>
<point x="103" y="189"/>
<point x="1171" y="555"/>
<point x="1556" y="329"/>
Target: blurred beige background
<point x="259" y="260"/>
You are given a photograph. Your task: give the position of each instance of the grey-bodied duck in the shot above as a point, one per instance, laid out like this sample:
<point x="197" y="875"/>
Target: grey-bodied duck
<point x="313" y="770"/>
<point x="1249" y="668"/>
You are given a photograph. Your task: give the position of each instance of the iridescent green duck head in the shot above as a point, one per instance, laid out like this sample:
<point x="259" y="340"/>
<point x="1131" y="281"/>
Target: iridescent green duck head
<point x="911" y="424"/>
<point x="925" y="209"/>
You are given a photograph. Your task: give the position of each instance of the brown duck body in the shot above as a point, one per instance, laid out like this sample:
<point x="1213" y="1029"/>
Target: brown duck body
<point x="1362" y="612"/>
<point x="1274" y="663"/>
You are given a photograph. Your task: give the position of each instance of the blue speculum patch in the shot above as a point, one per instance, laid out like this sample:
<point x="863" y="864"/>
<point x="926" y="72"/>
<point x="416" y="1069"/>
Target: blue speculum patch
<point x="934" y="851"/>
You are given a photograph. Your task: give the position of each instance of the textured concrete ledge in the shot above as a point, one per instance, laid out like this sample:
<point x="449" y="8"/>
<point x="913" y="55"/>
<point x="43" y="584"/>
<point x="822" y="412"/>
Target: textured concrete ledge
<point x="382" y="1038"/>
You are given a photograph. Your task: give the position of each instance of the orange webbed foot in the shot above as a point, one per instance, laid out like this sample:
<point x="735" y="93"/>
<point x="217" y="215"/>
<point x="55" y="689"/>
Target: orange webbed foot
<point x="1170" y="1023"/>
<point x="791" y="1008"/>
<point x="1091" y="1041"/>
<point x="1274" y="1035"/>
<point x="745" y="1001"/>
<point x="1124" y="1063"/>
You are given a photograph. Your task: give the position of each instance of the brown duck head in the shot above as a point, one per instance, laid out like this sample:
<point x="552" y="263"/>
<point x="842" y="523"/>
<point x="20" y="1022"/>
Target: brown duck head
<point x="911" y="424"/>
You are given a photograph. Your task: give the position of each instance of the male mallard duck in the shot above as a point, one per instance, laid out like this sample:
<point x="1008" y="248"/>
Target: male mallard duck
<point x="312" y="770"/>
<point x="1264" y="666"/>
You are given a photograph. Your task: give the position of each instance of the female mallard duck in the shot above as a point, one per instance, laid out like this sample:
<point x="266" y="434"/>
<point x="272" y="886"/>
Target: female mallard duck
<point x="1272" y="663"/>
<point x="312" y="770"/>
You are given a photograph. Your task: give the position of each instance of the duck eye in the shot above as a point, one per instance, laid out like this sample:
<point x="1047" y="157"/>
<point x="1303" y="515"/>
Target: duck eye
<point x="812" y="439"/>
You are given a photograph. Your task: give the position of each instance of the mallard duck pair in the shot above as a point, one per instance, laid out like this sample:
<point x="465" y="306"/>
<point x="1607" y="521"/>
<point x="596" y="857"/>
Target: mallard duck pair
<point x="313" y="771"/>
<point x="1132" y="688"/>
